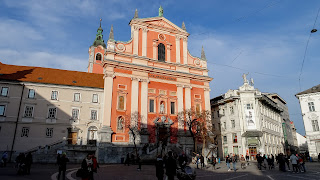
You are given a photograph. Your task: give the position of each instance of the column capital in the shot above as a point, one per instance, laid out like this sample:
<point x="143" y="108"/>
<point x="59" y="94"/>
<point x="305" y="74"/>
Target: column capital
<point x="179" y="85"/>
<point x="145" y="80"/>
<point x="207" y="89"/>
<point x="135" y="79"/>
<point x="187" y="86"/>
<point x="178" y="37"/>
<point x="109" y="74"/>
<point x="144" y="29"/>
<point x="136" y="28"/>
<point x="185" y="39"/>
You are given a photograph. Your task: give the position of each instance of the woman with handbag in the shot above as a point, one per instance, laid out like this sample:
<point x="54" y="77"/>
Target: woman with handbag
<point x="86" y="168"/>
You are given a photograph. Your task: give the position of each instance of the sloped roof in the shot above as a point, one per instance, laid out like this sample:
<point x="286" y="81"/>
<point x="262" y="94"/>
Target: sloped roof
<point x="50" y="76"/>
<point x="314" y="89"/>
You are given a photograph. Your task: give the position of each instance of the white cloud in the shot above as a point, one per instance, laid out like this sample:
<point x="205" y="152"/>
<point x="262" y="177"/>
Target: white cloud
<point x="42" y="59"/>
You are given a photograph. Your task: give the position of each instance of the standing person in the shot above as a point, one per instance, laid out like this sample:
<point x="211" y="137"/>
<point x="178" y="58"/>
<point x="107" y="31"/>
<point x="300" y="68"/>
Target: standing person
<point x="202" y="161"/>
<point x="243" y="162"/>
<point x="127" y="162"/>
<point x="282" y="162"/>
<point x="95" y="164"/>
<point x="139" y="162"/>
<point x="86" y="166"/>
<point x="58" y="159"/>
<point x="228" y="162"/>
<point x="294" y="162"/>
<point x="5" y="158"/>
<point x="28" y="162"/>
<point x="303" y="157"/>
<point x="234" y="162"/>
<point x="214" y="162"/>
<point x="259" y="160"/>
<point x="20" y="160"/>
<point x="171" y="166"/>
<point x="247" y="158"/>
<point x="159" y="168"/>
<point x="269" y="160"/>
<point x="287" y="158"/>
<point x="63" y="166"/>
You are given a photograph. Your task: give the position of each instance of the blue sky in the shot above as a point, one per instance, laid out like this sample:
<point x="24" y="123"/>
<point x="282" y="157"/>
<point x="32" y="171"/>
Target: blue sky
<point x="263" y="37"/>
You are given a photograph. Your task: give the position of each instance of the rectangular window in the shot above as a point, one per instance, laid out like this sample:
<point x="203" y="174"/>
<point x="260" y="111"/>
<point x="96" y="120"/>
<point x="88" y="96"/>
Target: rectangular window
<point x="225" y="140"/>
<point x="173" y="108"/>
<point x="234" y="137"/>
<point x="28" y="111"/>
<point x="311" y="106"/>
<point x="31" y="94"/>
<point x="54" y="95"/>
<point x="233" y="124"/>
<point x="52" y="113"/>
<point x="231" y="110"/>
<point x="4" y="91"/>
<point x="2" y="110"/>
<point x="162" y="92"/>
<point x="25" y="132"/>
<point x="95" y="98"/>
<point x="153" y="91"/>
<point x="75" y="113"/>
<point x="76" y="97"/>
<point x="315" y="125"/>
<point x="93" y="115"/>
<point x="249" y="106"/>
<point x="49" y="132"/>
<point x="151" y="105"/>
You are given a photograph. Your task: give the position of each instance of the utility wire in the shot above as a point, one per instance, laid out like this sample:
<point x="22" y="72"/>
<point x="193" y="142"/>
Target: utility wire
<point x="305" y="51"/>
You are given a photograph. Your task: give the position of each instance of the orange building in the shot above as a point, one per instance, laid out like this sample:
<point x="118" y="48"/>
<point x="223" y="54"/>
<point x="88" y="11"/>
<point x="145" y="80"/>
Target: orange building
<point x="148" y="80"/>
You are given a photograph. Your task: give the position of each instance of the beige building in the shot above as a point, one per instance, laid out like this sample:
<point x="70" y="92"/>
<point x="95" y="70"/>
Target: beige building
<point x="247" y="121"/>
<point x="42" y="107"/>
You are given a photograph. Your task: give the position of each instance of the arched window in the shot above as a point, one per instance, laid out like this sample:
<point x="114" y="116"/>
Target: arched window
<point x="98" y="57"/>
<point x="161" y="52"/>
<point x="92" y="133"/>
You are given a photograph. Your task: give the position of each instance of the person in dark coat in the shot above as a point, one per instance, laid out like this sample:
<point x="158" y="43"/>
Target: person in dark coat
<point x="63" y="166"/>
<point x="171" y="166"/>
<point x="127" y="162"/>
<point x="202" y="161"/>
<point x="159" y="168"/>
<point x="28" y="162"/>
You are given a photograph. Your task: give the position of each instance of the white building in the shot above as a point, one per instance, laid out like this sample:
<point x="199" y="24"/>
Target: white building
<point x="302" y="143"/>
<point x="310" y="109"/>
<point x="247" y="121"/>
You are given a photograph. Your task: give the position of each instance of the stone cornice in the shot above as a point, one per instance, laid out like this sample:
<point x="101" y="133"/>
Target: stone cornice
<point x="155" y="70"/>
<point x="155" y="60"/>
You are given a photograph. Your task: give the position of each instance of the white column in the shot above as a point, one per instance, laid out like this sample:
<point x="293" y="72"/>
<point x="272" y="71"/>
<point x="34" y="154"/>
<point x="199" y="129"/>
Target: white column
<point x="188" y="97"/>
<point x="185" y="50"/>
<point x="207" y="99"/>
<point x="144" y="41"/>
<point x="108" y="86"/>
<point x="134" y="97"/>
<point x="144" y="103"/>
<point x="168" y="52"/>
<point x="135" y="40"/>
<point x="155" y="49"/>
<point x="178" y="49"/>
<point x="180" y="105"/>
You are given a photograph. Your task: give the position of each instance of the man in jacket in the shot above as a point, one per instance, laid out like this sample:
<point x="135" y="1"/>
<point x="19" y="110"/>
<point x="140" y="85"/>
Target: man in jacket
<point x="171" y="166"/>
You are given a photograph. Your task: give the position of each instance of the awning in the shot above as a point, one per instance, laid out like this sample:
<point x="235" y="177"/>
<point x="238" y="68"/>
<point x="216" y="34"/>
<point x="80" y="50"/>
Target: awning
<point x="252" y="134"/>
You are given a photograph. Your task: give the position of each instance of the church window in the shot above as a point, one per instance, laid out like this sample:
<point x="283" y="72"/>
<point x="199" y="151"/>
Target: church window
<point x="173" y="106"/>
<point x="25" y="132"/>
<point x="28" y="111"/>
<point x="315" y="125"/>
<point x="161" y="52"/>
<point x="121" y="103"/>
<point x="4" y="91"/>
<point x="49" y="132"/>
<point x="151" y="105"/>
<point x="95" y="98"/>
<point x="52" y="113"/>
<point x="120" y="123"/>
<point x="311" y="106"/>
<point x="31" y="94"/>
<point x="98" y="57"/>
<point x="94" y="114"/>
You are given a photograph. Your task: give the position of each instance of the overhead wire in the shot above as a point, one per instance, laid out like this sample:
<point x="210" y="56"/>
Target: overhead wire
<point x="306" y="49"/>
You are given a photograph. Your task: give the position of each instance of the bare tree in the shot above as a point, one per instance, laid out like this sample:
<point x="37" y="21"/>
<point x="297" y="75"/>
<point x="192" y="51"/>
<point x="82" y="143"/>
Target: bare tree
<point x="133" y="123"/>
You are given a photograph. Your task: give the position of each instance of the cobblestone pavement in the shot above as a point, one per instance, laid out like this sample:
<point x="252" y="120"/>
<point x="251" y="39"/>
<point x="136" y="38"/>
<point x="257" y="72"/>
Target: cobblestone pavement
<point x="121" y="172"/>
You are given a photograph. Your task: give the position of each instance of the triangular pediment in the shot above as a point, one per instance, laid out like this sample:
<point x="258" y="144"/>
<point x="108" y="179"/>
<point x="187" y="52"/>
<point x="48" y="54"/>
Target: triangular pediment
<point x="161" y="22"/>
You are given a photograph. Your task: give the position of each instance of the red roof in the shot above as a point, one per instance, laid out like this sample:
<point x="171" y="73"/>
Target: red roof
<point x="50" y="76"/>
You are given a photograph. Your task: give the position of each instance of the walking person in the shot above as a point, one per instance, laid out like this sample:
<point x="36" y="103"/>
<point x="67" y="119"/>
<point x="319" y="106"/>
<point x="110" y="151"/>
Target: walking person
<point x="95" y="165"/>
<point x="139" y="162"/>
<point x="287" y="158"/>
<point x="159" y="168"/>
<point x="5" y="158"/>
<point x="234" y="162"/>
<point x="294" y="162"/>
<point x="63" y="166"/>
<point x="303" y="157"/>
<point x="259" y="160"/>
<point x="202" y="161"/>
<point x="243" y="162"/>
<point x="28" y="162"/>
<point x="171" y="166"/>
<point x="269" y="160"/>
<point x="87" y="166"/>
<point x="228" y="160"/>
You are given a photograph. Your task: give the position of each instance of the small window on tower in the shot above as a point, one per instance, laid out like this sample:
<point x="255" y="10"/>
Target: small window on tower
<point x="98" y="57"/>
